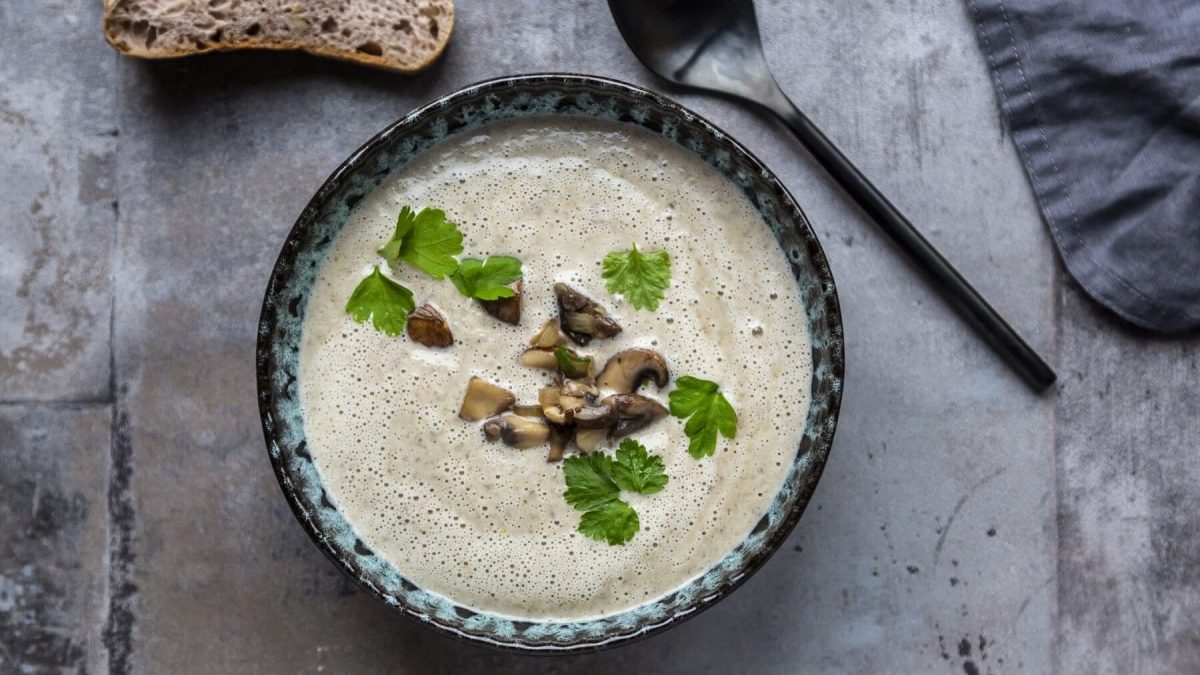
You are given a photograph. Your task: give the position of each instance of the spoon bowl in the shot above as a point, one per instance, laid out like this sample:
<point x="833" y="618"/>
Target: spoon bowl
<point x="708" y="44"/>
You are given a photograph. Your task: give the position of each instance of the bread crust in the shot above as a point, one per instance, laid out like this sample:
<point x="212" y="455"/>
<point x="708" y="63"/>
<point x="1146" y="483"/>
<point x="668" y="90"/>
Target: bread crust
<point x="276" y="44"/>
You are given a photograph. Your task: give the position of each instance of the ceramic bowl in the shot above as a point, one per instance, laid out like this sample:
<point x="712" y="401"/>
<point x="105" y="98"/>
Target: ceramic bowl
<point x="462" y="112"/>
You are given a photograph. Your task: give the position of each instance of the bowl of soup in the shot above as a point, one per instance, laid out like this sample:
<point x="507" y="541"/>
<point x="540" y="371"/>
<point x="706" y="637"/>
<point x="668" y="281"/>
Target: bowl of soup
<point x="550" y="364"/>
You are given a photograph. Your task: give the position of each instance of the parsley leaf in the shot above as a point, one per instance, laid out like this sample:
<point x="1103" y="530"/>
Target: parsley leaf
<point x="573" y="365"/>
<point x="640" y="277"/>
<point x="709" y="413"/>
<point x="594" y="484"/>
<point x="589" y="481"/>
<point x="386" y="303"/>
<point x="487" y="279"/>
<point x="615" y="522"/>
<point x="638" y="471"/>
<point x="426" y="240"/>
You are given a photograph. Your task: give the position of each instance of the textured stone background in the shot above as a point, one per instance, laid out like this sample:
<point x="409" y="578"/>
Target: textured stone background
<point x="963" y="525"/>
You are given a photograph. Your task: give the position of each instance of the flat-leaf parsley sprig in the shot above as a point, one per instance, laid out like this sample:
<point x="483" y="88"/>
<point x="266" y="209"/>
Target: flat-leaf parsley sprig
<point x="707" y="413"/>
<point x="425" y="239"/>
<point x="487" y="279"/>
<point x="640" y="277"/>
<point x="429" y="242"/>
<point x="383" y="301"/>
<point x="594" y="484"/>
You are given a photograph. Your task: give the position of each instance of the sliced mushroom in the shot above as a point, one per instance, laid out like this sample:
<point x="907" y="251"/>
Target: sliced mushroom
<point x="571" y="402"/>
<point x="525" y="410"/>
<point x="484" y="399"/>
<point x="592" y="416"/>
<point x="539" y="358"/>
<point x="580" y="318"/>
<point x="507" y="310"/>
<point x="516" y="432"/>
<point x="558" y="443"/>
<point x="549" y="397"/>
<point x="590" y="439"/>
<point x="557" y="415"/>
<point x="549" y="336"/>
<point x="633" y="412"/>
<point x="428" y="326"/>
<point x="579" y="389"/>
<point x="626" y="370"/>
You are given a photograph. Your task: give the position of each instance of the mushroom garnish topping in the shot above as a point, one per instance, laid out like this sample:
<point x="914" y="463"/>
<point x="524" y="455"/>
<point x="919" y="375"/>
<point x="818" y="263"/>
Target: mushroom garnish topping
<point x="558" y="443"/>
<point x="549" y="396"/>
<point x="507" y="310"/>
<point x="571" y="408"/>
<point x="633" y="412"/>
<point x="626" y="370"/>
<point x="580" y="318"/>
<point x="589" y="439"/>
<point x="526" y="410"/>
<point x="549" y="336"/>
<point x="579" y="389"/>
<point x="539" y="358"/>
<point x="428" y="326"/>
<point x="517" y="432"/>
<point x="593" y="416"/>
<point x="484" y="399"/>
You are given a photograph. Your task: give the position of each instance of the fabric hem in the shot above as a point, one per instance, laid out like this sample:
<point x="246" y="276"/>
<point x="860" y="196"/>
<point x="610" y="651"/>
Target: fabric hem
<point x="1050" y="189"/>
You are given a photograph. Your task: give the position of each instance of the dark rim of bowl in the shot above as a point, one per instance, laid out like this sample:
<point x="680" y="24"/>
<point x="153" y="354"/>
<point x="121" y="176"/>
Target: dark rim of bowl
<point x="831" y="369"/>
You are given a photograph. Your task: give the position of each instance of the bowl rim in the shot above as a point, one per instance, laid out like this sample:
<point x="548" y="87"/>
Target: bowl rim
<point x="269" y="318"/>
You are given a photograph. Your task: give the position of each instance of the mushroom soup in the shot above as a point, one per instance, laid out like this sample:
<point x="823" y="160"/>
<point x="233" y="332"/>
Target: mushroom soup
<point x="468" y="506"/>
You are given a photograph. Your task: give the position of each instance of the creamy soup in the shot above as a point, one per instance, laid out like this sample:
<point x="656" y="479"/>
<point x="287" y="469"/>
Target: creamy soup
<point x="486" y="525"/>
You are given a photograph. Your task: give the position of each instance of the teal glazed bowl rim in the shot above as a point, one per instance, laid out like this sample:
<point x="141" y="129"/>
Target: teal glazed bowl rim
<point x="465" y="110"/>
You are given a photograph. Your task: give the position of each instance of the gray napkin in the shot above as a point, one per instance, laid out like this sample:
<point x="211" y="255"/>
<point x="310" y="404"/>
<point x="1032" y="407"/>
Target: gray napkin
<point x="1103" y="101"/>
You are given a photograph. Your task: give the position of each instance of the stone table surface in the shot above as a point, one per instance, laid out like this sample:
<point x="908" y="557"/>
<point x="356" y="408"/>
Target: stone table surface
<point x="962" y="525"/>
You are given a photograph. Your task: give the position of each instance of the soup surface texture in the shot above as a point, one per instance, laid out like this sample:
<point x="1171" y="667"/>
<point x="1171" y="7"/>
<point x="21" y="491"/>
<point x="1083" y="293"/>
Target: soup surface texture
<point x="486" y="525"/>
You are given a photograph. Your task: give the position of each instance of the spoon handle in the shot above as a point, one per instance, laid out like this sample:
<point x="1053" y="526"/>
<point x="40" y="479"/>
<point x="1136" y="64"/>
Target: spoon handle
<point x="969" y="303"/>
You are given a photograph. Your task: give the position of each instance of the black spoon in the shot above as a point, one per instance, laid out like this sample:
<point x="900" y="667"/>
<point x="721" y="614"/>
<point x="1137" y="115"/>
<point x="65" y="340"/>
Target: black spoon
<point x="714" y="45"/>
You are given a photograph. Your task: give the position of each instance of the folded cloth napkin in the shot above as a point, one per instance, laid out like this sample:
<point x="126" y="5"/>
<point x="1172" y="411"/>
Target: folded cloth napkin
<point x="1102" y="99"/>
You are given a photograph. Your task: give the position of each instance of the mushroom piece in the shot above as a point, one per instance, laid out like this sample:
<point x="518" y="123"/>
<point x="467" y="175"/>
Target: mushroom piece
<point x="593" y="416"/>
<point x="428" y="326"/>
<point x="526" y="410"/>
<point x="507" y="310"/>
<point x="580" y="318"/>
<point x="484" y="399"/>
<point x="557" y="415"/>
<point x="558" y="443"/>
<point x="549" y="336"/>
<point x="589" y="439"/>
<point x="579" y="389"/>
<point x="633" y="412"/>
<point x="571" y="402"/>
<point x="539" y="358"/>
<point x="549" y="396"/>
<point x="516" y="432"/>
<point x="626" y="370"/>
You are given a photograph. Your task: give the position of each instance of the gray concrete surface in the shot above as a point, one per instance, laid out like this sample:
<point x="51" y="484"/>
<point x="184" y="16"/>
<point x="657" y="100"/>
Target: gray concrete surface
<point x="963" y="525"/>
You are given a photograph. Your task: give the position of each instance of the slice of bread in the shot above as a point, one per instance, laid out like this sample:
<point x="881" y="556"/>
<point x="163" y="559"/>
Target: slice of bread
<point x="404" y="35"/>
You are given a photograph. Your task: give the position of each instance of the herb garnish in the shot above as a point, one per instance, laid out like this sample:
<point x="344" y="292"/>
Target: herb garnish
<point x="638" y="471"/>
<point x="640" y="277"/>
<point x="615" y="522"/>
<point x="572" y="365"/>
<point x="487" y="279"/>
<point x="709" y="413"/>
<point x="385" y="302"/>
<point x="425" y="239"/>
<point x="594" y="484"/>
